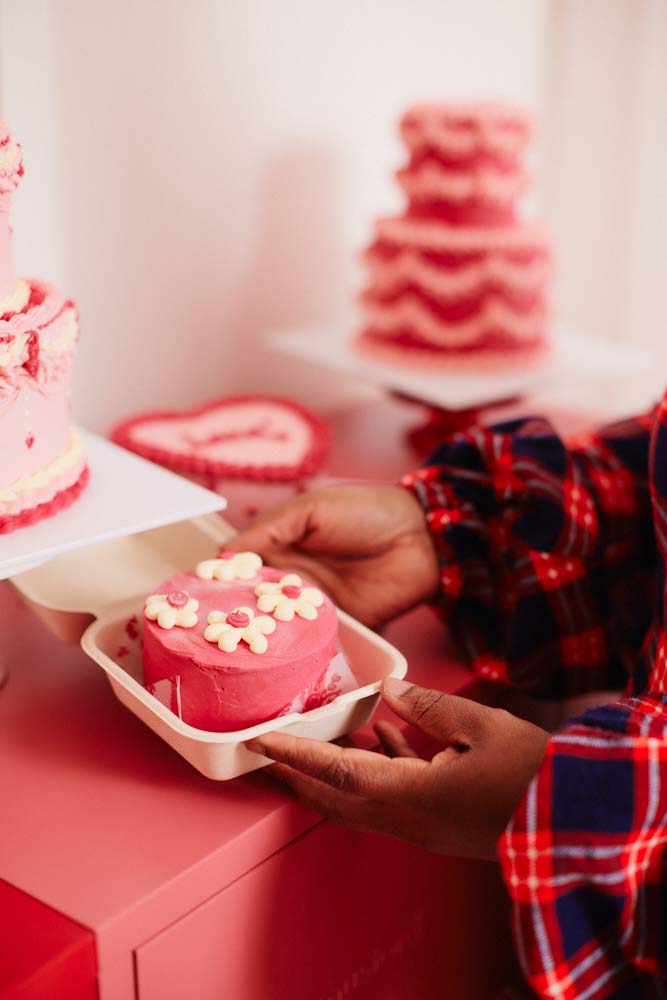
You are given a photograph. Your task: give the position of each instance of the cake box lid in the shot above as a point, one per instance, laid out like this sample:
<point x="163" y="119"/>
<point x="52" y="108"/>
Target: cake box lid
<point x="72" y="589"/>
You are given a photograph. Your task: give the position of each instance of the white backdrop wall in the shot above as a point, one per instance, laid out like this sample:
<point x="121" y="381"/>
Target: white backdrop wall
<point x="200" y="172"/>
<point x="604" y="166"/>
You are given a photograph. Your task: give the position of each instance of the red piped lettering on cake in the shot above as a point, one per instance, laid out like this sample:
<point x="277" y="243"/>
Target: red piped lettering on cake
<point x="227" y="554"/>
<point x="32" y="364"/>
<point x="292" y="592"/>
<point x="177" y="598"/>
<point x="7" y="338"/>
<point x="262" y="430"/>
<point x="29" y="441"/>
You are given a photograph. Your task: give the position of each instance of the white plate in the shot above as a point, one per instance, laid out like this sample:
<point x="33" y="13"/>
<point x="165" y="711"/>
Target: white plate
<point x="572" y="358"/>
<point x="126" y="494"/>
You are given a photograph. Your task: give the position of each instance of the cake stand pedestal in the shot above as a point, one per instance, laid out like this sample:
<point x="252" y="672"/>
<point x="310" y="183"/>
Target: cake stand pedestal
<point x="439" y="423"/>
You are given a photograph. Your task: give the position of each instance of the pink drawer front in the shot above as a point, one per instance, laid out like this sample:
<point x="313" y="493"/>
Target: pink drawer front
<point x="334" y="915"/>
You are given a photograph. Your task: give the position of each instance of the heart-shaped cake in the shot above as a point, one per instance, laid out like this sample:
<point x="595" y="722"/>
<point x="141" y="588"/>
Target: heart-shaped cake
<point x="262" y="438"/>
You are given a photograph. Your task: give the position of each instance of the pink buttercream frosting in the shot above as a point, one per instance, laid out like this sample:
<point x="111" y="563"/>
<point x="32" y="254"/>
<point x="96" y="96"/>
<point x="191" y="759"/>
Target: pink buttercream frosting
<point x="223" y="692"/>
<point x="491" y="355"/>
<point x="246" y="437"/>
<point x="431" y="182"/>
<point x="39" y="331"/>
<point x="426" y="235"/>
<point x="463" y="130"/>
<point x="251" y="433"/>
<point x="457" y="272"/>
<point x="411" y="313"/>
<point x="11" y="162"/>
<point x="47" y="479"/>
<point x="11" y="171"/>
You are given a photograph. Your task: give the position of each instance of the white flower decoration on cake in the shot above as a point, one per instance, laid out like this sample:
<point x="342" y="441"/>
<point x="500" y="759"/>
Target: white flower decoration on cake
<point x="174" y="608"/>
<point x="289" y="597"/>
<point x="230" y="566"/>
<point x="229" y="628"/>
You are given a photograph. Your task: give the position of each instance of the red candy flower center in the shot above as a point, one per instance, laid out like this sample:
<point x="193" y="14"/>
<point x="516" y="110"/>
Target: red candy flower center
<point x="291" y="591"/>
<point x="238" y="619"/>
<point x="177" y="598"/>
<point x="226" y="555"/>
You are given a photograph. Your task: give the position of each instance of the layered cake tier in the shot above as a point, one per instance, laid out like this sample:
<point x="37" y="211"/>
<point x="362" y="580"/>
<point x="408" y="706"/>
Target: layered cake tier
<point x="456" y="296"/>
<point x="42" y="466"/>
<point x="236" y="642"/>
<point x="465" y="162"/>
<point x="458" y="280"/>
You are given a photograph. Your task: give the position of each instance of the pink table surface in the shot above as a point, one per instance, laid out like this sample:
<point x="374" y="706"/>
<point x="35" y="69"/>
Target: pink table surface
<point x="103" y="821"/>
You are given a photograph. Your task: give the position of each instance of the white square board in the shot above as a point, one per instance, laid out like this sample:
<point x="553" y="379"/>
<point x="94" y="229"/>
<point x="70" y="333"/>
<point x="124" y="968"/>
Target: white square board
<point x="573" y="357"/>
<point x="125" y="494"/>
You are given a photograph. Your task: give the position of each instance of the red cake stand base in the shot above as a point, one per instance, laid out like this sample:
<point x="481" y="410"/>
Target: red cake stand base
<point x="439" y="423"/>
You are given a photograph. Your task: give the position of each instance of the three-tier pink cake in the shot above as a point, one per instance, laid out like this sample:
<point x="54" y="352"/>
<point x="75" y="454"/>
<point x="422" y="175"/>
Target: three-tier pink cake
<point x="458" y="280"/>
<point x="42" y="466"/>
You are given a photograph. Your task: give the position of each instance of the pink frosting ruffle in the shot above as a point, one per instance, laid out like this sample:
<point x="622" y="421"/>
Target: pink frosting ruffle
<point x="11" y="166"/>
<point x="457" y="271"/>
<point x="59" y="501"/>
<point x="29" y="340"/>
<point x="34" y="496"/>
<point x="411" y="313"/>
<point x="490" y="355"/>
<point x="494" y="270"/>
<point x="463" y="130"/>
<point x="432" y="183"/>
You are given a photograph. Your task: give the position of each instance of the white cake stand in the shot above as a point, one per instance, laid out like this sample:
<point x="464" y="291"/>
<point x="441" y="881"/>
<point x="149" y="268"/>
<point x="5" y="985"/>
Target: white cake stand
<point x="573" y="358"/>
<point x="125" y="495"/>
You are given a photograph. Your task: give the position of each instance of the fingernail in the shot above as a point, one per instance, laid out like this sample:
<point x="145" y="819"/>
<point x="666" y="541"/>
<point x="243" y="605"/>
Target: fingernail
<point x="395" y="686"/>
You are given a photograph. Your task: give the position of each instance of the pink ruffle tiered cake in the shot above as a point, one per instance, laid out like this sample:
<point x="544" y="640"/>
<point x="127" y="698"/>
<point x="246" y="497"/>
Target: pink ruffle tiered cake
<point x="42" y="466"/>
<point x="458" y="280"/>
<point x="236" y="643"/>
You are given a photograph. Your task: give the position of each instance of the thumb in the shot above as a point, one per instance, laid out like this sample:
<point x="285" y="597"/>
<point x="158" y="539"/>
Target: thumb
<point x="445" y="717"/>
<point x="275" y="530"/>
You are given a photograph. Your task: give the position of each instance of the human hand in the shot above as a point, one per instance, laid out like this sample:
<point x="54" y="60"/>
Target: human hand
<point x="459" y="802"/>
<point x="368" y="546"/>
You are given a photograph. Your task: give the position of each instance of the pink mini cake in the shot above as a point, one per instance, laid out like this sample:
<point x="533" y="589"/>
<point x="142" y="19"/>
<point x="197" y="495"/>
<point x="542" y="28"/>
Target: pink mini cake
<point x="236" y="641"/>
<point x="42" y="466"/>
<point x="457" y="280"/>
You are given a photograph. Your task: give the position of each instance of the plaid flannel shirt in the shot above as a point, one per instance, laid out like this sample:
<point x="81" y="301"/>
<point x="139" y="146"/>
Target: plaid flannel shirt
<point x="552" y="562"/>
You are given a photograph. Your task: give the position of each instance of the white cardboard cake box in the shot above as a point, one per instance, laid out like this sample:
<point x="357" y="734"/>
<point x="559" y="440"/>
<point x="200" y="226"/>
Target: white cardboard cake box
<point x="89" y="595"/>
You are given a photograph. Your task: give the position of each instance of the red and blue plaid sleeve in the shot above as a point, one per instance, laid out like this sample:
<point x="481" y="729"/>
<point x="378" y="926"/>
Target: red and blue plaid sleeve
<point x="585" y="856"/>
<point x="546" y="551"/>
